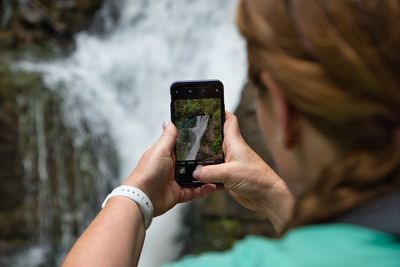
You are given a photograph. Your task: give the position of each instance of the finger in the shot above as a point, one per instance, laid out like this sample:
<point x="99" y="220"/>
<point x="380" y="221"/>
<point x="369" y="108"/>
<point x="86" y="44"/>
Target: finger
<point x="212" y="173"/>
<point x="169" y="135"/>
<point x="198" y="192"/>
<point x="208" y="189"/>
<point x="189" y="193"/>
<point x="231" y="126"/>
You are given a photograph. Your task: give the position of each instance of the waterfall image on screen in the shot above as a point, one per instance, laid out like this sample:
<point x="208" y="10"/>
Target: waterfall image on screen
<point x="197" y="133"/>
<point x="199" y="129"/>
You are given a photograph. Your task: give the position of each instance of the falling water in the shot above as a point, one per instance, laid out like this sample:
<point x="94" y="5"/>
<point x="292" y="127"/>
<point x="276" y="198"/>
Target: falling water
<point x="119" y="80"/>
<point x="5" y="13"/>
<point x="197" y="131"/>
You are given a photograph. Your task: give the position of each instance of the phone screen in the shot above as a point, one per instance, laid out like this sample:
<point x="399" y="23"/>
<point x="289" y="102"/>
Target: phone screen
<point x="197" y="110"/>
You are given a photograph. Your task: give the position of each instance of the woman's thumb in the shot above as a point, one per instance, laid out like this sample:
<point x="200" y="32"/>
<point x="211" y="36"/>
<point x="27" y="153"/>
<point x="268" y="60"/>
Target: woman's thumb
<point x="231" y="127"/>
<point x="212" y="173"/>
<point x="169" y="135"/>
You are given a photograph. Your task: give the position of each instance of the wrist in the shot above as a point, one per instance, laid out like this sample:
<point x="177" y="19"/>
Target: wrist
<point x="138" y="181"/>
<point x="128" y="207"/>
<point x="279" y="205"/>
<point x="136" y="196"/>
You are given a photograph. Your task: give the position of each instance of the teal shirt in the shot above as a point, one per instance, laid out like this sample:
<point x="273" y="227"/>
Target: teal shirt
<point x="311" y="246"/>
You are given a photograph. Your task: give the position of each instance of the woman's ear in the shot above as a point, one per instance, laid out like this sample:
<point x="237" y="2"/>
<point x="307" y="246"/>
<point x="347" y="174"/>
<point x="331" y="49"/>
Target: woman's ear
<point x="288" y="124"/>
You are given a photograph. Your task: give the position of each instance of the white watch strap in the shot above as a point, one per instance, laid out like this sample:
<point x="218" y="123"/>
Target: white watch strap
<point x="138" y="196"/>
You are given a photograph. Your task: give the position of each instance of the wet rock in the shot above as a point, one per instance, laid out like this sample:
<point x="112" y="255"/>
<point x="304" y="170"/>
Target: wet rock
<point x="6" y="39"/>
<point x="23" y="23"/>
<point x="88" y="6"/>
<point x="53" y="176"/>
<point x="31" y="15"/>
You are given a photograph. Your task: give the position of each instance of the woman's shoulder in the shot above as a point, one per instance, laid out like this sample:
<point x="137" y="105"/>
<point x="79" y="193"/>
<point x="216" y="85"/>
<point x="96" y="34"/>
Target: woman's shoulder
<point x="316" y="245"/>
<point x="339" y="232"/>
<point x="345" y="241"/>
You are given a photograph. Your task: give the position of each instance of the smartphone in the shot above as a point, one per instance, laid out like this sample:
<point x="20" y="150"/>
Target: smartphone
<point x="198" y="112"/>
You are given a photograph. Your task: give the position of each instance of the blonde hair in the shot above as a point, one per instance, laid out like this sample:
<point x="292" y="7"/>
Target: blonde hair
<point x="338" y="64"/>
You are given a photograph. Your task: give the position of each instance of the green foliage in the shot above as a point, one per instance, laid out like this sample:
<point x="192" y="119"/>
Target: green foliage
<point x="217" y="144"/>
<point x="185" y="109"/>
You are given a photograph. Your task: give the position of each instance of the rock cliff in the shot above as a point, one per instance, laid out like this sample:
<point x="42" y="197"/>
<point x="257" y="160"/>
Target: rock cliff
<point x="38" y="21"/>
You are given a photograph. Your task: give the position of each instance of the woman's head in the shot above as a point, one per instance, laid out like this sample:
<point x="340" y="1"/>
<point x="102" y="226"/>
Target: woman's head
<point x="331" y="75"/>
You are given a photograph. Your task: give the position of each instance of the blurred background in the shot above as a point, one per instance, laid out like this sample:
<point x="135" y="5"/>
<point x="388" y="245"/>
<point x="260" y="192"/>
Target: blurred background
<point x="84" y="88"/>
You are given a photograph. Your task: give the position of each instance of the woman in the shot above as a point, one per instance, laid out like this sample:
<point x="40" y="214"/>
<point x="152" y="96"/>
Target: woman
<point x="328" y="106"/>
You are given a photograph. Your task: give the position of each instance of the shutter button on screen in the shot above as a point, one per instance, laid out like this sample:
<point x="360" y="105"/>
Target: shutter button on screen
<point x="182" y="170"/>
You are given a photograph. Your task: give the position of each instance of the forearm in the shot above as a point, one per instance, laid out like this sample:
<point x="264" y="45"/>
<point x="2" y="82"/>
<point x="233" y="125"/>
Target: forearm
<point x="116" y="235"/>
<point x="114" y="238"/>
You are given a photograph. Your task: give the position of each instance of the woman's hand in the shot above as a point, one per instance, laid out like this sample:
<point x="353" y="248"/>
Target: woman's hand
<point x="115" y="237"/>
<point x="154" y="175"/>
<point x="248" y="179"/>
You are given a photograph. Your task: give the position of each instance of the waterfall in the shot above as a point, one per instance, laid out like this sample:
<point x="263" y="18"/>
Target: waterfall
<point x="6" y="13"/>
<point x="197" y="131"/>
<point x="44" y="195"/>
<point x="119" y="80"/>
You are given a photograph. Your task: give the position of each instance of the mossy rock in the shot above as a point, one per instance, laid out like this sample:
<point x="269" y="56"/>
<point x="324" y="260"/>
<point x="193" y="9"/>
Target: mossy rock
<point x="51" y="185"/>
<point x="39" y="22"/>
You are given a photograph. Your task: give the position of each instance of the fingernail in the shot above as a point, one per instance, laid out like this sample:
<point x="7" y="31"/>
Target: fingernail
<point x="165" y="124"/>
<point x="196" y="171"/>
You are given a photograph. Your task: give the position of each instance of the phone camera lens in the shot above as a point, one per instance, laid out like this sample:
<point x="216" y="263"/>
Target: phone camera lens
<point x="190" y="91"/>
<point x="216" y="90"/>
<point x="176" y="91"/>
